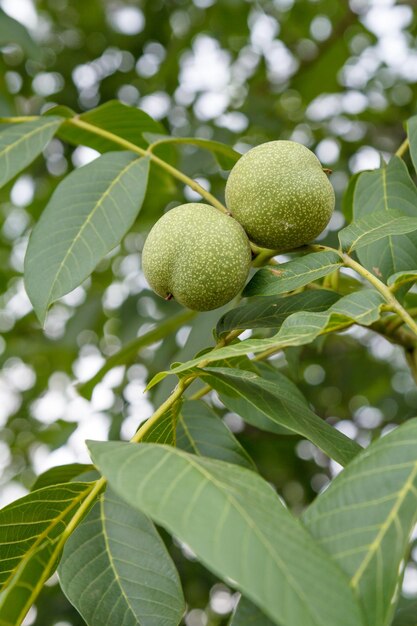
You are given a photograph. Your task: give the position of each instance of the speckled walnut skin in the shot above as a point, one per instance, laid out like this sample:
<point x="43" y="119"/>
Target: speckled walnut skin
<point x="280" y="194"/>
<point x="199" y="255"/>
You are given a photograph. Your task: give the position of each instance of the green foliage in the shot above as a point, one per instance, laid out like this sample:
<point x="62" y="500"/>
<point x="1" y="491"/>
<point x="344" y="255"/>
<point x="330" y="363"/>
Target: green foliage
<point x="292" y="275"/>
<point x="318" y="362"/>
<point x="214" y="506"/>
<point x="202" y="432"/>
<point x="126" y="123"/>
<point x="365" y="518"/>
<point x="225" y="155"/>
<point x="133" y="580"/>
<point x="247" y="614"/>
<point x="82" y="238"/>
<point x="12" y="32"/>
<point x="22" y="143"/>
<point x="31" y="531"/>
<point x="271" y="311"/>
<point x="368" y="230"/>
<point x="271" y="405"/>
<point x="363" y="307"/>
<point x="401" y="278"/>
<point x="406" y="614"/>
<point x="389" y="188"/>
<point x="60" y="474"/>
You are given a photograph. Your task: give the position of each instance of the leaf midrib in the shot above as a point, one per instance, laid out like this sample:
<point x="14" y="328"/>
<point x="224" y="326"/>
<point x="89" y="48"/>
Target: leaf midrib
<point x="263" y="540"/>
<point x="375" y="228"/>
<point x="38" y="129"/>
<point x="226" y="491"/>
<point x="375" y="545"/>
<point x="110" y="558"/>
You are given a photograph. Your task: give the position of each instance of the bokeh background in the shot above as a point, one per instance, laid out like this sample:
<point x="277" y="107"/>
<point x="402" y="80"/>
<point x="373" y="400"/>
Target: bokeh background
<point x="339" y="77"/>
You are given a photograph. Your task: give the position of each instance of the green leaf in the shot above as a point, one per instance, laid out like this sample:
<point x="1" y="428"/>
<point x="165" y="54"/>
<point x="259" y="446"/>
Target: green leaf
<point x="13" y="32"/>
<point x="362" y="307"/>
<point x="164" y="431"/>
<point x="225" y="155"/>
<point x="402" y="278"/>
<point x="57" y="433"/>
<point x="61" y="110"/>
<point x="122" y="120"/>
<point x="202" y="432"/>
<point x="128" y="353"/>
<point x="292" y="275"/>
<point x="247" y="614"/>
<point x="115" y="569"/>
<point x="367" y="230"/>
<point x="348" y="197"/>
<point x="271" y="311"/>
<point x="365" y="517"/>
<point x="387" y="188"/>
<point x="60" y="474"/>
<point x="20" y="144"/>
<point x="30" y="532"/>
<point x="406" y="614"/>
<point x="269" y="405"/>
<point x="87" y="216"/>
<point x="234" y="522"/>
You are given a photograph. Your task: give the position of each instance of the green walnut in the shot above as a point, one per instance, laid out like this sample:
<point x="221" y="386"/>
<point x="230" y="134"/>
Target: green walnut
<point x="197" y="255"/>
<point x="280" y="194"/>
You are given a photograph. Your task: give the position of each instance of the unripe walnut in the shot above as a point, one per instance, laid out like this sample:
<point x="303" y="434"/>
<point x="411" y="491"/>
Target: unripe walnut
<point x="198" y="255"/>
<point x="280" y="194"/>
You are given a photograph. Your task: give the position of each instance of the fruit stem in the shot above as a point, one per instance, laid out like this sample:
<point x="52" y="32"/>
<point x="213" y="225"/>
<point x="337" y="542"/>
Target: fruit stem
<point x="263" y="257"/>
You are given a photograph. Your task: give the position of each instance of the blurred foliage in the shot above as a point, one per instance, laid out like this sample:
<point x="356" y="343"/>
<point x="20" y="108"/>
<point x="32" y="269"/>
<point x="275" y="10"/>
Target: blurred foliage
<point x="337" y="76"/>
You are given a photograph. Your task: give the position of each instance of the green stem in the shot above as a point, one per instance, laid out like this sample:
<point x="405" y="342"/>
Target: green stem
<point x="128" y="145"/>
<point x="200" y="393"/>
<point x="96" y="489"/>
<point x="403" y="148"/>
<point x="397" y="321"/>
<point x="175" y="395"/>
<point x="182" y="385"/>
<point x="263" y="257"/>
<point x="396" y="307"/>
<point x="76" y="121"/>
